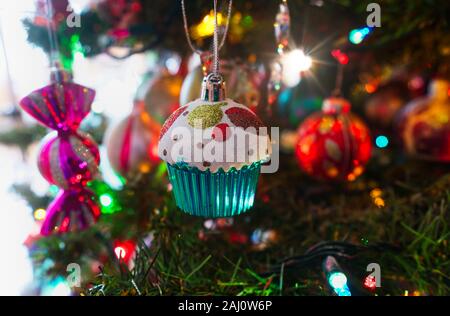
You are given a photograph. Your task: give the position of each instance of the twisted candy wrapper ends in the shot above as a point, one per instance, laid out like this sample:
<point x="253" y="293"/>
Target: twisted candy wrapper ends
<point x="59" y="106"/>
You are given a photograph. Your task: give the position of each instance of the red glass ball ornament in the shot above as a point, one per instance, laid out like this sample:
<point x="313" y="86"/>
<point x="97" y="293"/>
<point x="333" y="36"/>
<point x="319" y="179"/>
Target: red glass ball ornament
<point x="333" y="144"/>
<point x="425" y="124"/>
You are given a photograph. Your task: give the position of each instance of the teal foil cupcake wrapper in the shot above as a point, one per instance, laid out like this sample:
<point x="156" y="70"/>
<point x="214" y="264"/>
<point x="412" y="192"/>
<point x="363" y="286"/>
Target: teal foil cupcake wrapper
<point x="219" y="194"/>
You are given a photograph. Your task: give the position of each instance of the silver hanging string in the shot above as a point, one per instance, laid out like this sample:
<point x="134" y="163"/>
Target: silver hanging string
<point x="54" y="55"/>
<point x="186" y="27"/>
<point x="57" y="73"/>
<point x="215" y="46"/>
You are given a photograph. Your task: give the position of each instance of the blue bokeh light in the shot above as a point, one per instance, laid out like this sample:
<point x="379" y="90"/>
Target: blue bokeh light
<point x="382" y="141"/>
<point x="356" y="36"/>
<point x="338" y="281"/>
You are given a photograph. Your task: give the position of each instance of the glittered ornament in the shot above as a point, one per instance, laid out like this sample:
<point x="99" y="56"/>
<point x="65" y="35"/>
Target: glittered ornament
<point x="72" y="210"/>
<point x="213" y="175"/>
<point x="213" y="148"/>
<point x="59" y="106"/>
<point x="425" y="124"/>
<point x="161" y="95"/>
<point x="132" y="145"/>
<point x="68" y="158"/>
<point x="333" y="144"/>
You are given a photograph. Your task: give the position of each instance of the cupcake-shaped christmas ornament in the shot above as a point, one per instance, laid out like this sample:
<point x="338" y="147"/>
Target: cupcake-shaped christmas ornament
<point x="214" y="148"/>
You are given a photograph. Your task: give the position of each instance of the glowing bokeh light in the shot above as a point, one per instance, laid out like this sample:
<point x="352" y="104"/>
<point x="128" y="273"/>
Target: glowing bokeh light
<point x="120" y="252"/>
<point x="105" y="200"/>
<point x="377" y="192"/>
<point x="356" y="36"/>
<point x="206" y="27"/>
<point x="124" y="250"/>
<point x="370" y="282"/>
<point x="370" y="88"/>
<point x="293" y="64"/>
<point x="338" y="281"/>
<point x="39" y="214"/>
<point x="379" y="202"/>
<point x="381" y="141"/>
<point x="340" y="56"/>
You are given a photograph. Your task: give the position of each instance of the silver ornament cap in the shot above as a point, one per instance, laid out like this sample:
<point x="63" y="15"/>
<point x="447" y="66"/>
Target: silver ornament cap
<point x="213" y="88"/>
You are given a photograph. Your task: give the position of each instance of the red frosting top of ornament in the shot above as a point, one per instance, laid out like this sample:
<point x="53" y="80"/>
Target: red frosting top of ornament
<point x="335" y="105"/>
<point x="214" y="135"/>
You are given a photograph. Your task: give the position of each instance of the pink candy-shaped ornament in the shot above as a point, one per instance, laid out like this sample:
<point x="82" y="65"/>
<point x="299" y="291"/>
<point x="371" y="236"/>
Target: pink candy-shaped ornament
<point x="68" y="158"/>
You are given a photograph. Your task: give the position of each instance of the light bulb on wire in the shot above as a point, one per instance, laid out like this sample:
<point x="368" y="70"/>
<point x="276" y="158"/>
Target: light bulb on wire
<point x="338" y="281"/>
<point x="336" y="277"/>
<point x="356" y="36"/>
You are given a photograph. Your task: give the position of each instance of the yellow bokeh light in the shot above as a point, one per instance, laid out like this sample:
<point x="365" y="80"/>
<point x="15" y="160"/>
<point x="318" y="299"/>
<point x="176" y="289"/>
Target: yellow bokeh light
<point x="144" y="167"/>
<point x="326" y="124"/>
<point x="379" y="202"/>
<point x="206" y="27"/>
<point x="39" y="214"/>
<point x="370" y="88"/>
<point x="375" y="193"/>
<point x="358" y="171"/>
<point x="332" y="172"/>
<point x="305" y="145"/>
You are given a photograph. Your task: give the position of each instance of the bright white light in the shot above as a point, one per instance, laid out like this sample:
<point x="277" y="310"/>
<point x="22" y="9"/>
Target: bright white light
<point x="78" y="6"/>
<point x="338" y="280"/>
<point x="115" y="81"/>
<point x="294" y="62"/>
<point x="120" y="252"/>
<point x="298" y="60"/>
<point x="173" y="64"/>
<point x="105" y="200"/>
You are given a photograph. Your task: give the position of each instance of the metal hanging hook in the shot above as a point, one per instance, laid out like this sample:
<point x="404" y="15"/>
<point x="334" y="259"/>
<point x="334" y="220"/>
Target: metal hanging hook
<point x="213" y="87"/>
